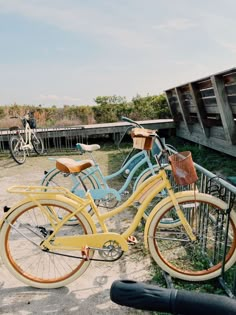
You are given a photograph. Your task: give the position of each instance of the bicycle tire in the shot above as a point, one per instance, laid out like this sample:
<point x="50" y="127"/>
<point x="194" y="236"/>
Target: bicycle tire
<point x="37" y="143"/>
<point x="56" y="178"/>
<point x="161" y="195"/>
<point x="71" y="182"/>
<point x="17" y="154"/>
<point x="130" y="166"/>
<point x="202" y="259"/>
<point x="29" y="263"/>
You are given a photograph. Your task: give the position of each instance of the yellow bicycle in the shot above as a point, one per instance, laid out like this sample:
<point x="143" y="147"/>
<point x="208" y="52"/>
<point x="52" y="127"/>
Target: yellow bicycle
<point x="188" y="234"/>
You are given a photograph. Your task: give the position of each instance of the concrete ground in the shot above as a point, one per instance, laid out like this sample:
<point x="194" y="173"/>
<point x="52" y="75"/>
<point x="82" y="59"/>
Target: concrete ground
<point x="87" y="295"/>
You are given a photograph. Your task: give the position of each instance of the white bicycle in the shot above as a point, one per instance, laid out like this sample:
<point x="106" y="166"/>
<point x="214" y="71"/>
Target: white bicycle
<point x="20" y="145"/>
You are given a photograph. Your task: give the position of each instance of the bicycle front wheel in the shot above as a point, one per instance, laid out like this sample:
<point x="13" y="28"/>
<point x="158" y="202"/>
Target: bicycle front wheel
<point x="161" y="195"/>
<point x="22" y="235"/>
<point x="17" y="153"/>
<point x="37" y="143"/>
<point x="198" y="260"/>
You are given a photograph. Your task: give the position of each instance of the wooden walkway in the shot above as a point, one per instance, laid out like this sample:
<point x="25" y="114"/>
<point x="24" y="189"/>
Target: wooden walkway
<point x="66" y="137"/>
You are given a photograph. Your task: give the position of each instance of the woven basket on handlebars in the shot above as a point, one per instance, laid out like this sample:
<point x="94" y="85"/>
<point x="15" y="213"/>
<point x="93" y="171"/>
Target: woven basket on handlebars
<point x="183" y="168"/>
<point x="142" y="138"/>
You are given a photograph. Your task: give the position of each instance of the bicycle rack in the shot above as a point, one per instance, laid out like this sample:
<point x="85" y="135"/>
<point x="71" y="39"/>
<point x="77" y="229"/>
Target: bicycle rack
<point x="217" y="186"/>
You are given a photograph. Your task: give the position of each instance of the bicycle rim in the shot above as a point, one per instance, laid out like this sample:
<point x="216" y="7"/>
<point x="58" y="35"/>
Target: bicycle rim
<point x="58" y="179"/>
<point x="193" y="261"/>
<point x="21" y="236"/>
<point x="17" y="154"/>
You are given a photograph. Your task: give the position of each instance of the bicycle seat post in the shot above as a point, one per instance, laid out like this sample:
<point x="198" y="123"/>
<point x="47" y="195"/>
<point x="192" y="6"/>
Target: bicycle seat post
<point x="92" y="157"/>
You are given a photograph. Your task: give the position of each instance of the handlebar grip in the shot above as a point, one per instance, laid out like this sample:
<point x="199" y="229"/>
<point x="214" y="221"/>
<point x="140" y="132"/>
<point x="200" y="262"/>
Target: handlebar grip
<point x="131" y="121"/>
<point x="127" y="119"/>
<point x="154" y="298"/>
<point x="142" y="296"/>
<point x="194" y="303"/>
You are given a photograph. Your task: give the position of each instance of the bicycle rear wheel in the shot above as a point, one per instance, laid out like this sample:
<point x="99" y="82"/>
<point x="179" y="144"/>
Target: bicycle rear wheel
<point x="70" y="181"/>
<point x="18" y="154"/>
<point x="197" y="260"/>
<point x="37" y="143"/>
<point x="22" y="235"/>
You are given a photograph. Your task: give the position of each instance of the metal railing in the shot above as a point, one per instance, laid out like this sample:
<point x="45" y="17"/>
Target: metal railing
<point x="55" y="139"/>
<point x="217" y="186"/>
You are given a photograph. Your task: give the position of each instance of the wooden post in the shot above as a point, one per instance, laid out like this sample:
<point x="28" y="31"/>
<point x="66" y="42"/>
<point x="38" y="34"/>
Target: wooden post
<point x="183" y="110"/>
<point x="201" y="112"/>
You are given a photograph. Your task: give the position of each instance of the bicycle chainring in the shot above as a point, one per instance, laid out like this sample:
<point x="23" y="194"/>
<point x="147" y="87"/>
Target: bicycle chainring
<point x="111" y="251"/>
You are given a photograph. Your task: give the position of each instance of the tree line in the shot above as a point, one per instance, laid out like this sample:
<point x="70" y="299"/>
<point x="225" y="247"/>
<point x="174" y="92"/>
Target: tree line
<point x="107" y="109"/>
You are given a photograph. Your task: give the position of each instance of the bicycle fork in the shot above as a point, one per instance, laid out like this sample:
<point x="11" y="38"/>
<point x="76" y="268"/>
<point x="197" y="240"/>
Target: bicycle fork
<point x="181" y="216"/>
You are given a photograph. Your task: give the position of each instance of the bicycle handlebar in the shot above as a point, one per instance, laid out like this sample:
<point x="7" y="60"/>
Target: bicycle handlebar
<point x="130" y="121"/>
<point x="154" y="298"/>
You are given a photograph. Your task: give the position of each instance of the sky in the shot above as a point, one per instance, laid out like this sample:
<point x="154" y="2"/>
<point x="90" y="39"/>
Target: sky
<point x="57" y="52"/>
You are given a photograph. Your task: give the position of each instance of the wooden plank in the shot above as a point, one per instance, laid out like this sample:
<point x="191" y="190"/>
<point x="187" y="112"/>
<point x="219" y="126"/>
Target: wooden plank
<point x="224" y="109"/>
<point x="201" y="112"/>
<point x="172" y="107"/>
<point x="183" y="110"/>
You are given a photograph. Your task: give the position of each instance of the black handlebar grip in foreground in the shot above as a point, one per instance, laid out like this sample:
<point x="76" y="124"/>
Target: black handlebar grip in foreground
<point x="142" y="296"/>
<point x="154" y="298"/>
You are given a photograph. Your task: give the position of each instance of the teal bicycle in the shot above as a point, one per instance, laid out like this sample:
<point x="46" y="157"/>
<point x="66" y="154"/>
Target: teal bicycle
<point x="138" y="167"/>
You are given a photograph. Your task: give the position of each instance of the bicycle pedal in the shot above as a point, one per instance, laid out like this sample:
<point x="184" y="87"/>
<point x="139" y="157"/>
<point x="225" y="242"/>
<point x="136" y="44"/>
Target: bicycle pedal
<point x="132" y="240"/>
<point x="85" y="252"/>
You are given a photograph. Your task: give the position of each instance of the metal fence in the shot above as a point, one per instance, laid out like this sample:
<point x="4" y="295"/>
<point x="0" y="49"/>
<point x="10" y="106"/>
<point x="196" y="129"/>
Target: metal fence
<point x="217" y="186"/>
<point x="55" y="139"/>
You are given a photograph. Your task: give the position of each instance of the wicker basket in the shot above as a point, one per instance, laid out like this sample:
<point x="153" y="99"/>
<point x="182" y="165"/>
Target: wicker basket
<point x="142" y="138"/>
<point x="183" y="168"/>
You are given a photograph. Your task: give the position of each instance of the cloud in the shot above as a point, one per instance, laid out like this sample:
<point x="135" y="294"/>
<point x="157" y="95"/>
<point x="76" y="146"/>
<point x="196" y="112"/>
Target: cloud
<point x="176" y="25"/>
<point x="90" y="21"/>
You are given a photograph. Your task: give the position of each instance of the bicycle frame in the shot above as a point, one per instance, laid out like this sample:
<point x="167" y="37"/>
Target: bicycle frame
<point x="25" y="142"/>
<point x="101" y="181"/>
<point x="102" y="189"/>
<point x="144" y="194"/>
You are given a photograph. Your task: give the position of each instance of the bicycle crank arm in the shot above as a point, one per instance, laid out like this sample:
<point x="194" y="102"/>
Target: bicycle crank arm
<point x="78" y="242"/>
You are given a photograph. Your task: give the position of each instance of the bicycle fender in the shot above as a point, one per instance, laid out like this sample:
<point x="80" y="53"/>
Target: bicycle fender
<point x="180" y="196"/>
<point x="60" y="198"/>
